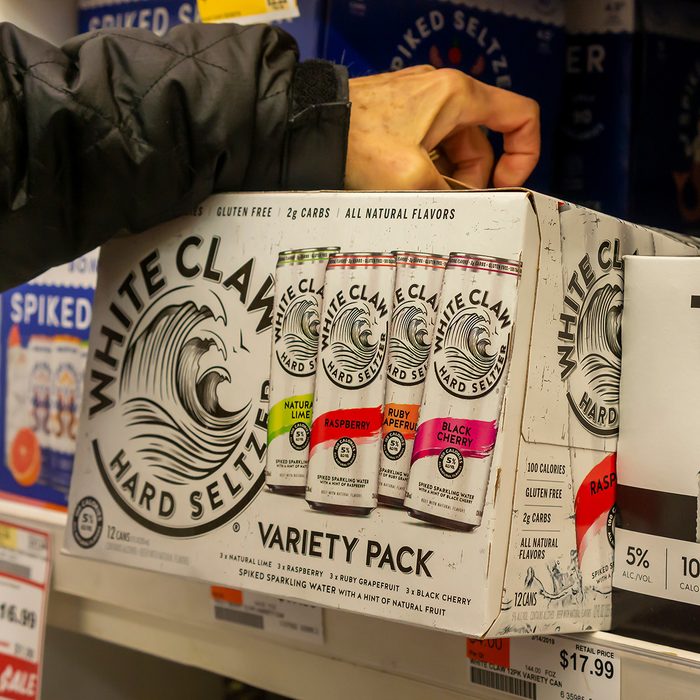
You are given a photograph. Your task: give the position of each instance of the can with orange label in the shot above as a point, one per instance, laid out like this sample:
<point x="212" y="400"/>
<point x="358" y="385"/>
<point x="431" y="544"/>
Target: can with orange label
<point x="416" y="298"/>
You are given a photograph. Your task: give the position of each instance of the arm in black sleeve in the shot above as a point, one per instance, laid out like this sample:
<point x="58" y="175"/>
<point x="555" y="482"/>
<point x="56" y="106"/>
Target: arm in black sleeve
<point x="119" y="130"/>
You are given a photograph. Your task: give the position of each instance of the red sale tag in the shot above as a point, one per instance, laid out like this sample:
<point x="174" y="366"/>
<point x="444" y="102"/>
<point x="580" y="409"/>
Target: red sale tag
<point x="230" y="595"/>
<point x="25" y="565"/>
<point x="490" y="651"/>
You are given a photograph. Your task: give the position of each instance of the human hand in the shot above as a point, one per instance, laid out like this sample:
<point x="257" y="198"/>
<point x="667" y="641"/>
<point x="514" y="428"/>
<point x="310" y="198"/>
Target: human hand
<point x="398" y="118"/>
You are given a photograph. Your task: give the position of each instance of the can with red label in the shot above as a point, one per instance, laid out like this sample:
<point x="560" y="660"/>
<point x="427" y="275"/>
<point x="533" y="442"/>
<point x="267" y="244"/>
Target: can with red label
<point x="461" y="406"/>
<point x="416" y="297"/>
<point x="349" y="392"/>
<point x="299" y="280"/>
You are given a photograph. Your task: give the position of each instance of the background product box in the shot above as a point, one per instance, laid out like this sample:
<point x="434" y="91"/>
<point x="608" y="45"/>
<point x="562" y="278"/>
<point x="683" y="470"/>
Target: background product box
<point x="657" y="563"/>
<point x="594" y="139"/>
<point x="514" y="44"/>
<point x="44" y="329"/>
<point x="170" y="473"/>
<point x="666" y="170"/>
<point x="630" y="110"/>
<point x="159" y="16"/>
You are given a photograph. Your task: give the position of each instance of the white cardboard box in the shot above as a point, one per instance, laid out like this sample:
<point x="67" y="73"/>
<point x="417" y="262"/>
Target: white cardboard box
<point x="541" y="560"/>
<point x="657" y="540"/>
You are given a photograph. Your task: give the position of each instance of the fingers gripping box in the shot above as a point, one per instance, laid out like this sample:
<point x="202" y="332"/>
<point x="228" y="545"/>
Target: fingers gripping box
<point x="505" y="524"/>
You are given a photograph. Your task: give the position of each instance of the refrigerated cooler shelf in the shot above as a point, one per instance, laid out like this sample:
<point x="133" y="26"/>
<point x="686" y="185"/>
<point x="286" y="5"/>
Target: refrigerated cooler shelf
<point x="173" y="618"/>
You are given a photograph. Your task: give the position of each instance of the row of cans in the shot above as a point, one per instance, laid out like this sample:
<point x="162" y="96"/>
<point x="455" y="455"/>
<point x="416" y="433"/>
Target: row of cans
<point x="387" y="380"/>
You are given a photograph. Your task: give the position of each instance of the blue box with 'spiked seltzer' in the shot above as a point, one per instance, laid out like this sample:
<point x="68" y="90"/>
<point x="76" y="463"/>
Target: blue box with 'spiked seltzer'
<point x="629" y="138"/>
<point x="514" y="44"/>
<point x="44" y="329"/>
<point x="159" y="16"/>
<point x="594" y="141"/>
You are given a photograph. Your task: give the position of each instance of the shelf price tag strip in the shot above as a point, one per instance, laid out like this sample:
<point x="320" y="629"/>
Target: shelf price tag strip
<point x="25" y="567"/>
<point x="247" y="11"/>
<point x="545" y="668"/>
<point x="269" y="614"/>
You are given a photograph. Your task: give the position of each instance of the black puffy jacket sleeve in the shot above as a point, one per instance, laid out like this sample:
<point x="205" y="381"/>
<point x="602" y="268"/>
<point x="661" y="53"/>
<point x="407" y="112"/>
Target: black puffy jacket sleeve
<point x="120" y="130"/>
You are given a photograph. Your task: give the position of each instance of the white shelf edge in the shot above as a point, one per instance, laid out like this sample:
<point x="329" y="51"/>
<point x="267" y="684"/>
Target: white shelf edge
<point x="173" y="618"/>
<point x="286" y="670"/>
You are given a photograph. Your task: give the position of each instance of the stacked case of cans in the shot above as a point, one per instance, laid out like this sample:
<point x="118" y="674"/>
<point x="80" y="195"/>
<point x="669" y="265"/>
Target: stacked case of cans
<point x="242" y="366"/>
<point x="159" y="16"/>
<point x="44" y="329"/>
<point x="514" y="44"/>
<point x="629" y="133"/>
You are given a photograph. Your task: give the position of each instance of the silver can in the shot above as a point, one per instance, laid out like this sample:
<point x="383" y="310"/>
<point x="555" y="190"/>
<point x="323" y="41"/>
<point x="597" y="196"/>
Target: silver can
<point x="416" y="298"/>
<point x="349" y="392"/>
<point x="299" y="280"/>
<point x="464" y="390"/>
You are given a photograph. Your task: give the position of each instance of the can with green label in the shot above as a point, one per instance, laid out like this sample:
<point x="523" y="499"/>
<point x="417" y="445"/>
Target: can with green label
<point x="299" y="279"/>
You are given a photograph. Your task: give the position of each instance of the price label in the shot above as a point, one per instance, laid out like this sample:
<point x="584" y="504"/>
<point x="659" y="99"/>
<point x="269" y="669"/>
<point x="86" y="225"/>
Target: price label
<point x="582" y="661"/>
<point x="247" y="11"/>
<point x="24" y="579"/>
<point x="269" y="614"/>
<point x="545" y="668"/>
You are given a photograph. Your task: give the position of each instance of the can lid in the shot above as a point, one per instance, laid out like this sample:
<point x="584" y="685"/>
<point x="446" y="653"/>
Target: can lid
<point x="304" y="255"/>
<point x="438" y="256"/>
<point x="487" y="263"/>
<point x="362" y="254"/>
<point x="407" y="258"/>
<point x="318" y="249"/>
<point x="363" y="259"/>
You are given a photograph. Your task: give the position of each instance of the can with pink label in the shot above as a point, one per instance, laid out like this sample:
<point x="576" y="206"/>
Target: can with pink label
<point x="464" y="389"/>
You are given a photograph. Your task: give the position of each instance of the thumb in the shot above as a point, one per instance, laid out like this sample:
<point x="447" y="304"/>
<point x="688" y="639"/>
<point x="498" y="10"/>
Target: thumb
<point x="418" y="172"/>
<point x="391" y="166"/>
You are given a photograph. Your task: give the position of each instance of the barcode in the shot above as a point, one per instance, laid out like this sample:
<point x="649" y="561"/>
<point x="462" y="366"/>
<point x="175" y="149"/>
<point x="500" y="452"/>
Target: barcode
<point x="240" y="617"/>
<point x="506" y="684"/>
<point x="9" y="567"/>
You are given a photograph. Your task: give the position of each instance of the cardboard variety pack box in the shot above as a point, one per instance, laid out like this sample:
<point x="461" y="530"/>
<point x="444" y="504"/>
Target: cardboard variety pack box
<point x="159" y="16"/>
<point x="511" y="491"/>
<point x="657" y="573"/>
<point x="628" y="137"/>
<point x="514" y="44"/>
<point x="44" y="327"/>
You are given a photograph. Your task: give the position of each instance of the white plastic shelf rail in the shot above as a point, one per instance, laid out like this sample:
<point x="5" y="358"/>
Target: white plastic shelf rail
<point x="362" y="657"/>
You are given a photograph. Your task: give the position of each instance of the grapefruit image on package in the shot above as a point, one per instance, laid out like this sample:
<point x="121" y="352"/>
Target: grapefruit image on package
<point x="25" y="457"/>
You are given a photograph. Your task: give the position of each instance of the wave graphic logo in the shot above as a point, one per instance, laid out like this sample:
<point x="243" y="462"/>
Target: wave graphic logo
<point x="176" y="390"/>
<point x="599" y="340"/>
<point x="177" y="384"/>
<point x="598" y="358"/>
<point x="471" y="349"/>
<point x="356" y="341"/>
<point x="297" y="343"/>
<point x="589" y="339"/>
<point x="409" y="342"/>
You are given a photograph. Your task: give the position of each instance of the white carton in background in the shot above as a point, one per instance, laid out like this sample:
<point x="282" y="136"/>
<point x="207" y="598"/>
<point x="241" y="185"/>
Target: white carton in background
<point x="657" y="596"/>
<point x="170" y="468"/>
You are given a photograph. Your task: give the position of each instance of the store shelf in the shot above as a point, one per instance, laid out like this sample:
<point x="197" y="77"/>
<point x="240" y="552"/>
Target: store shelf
<point x="172" y="618"/>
